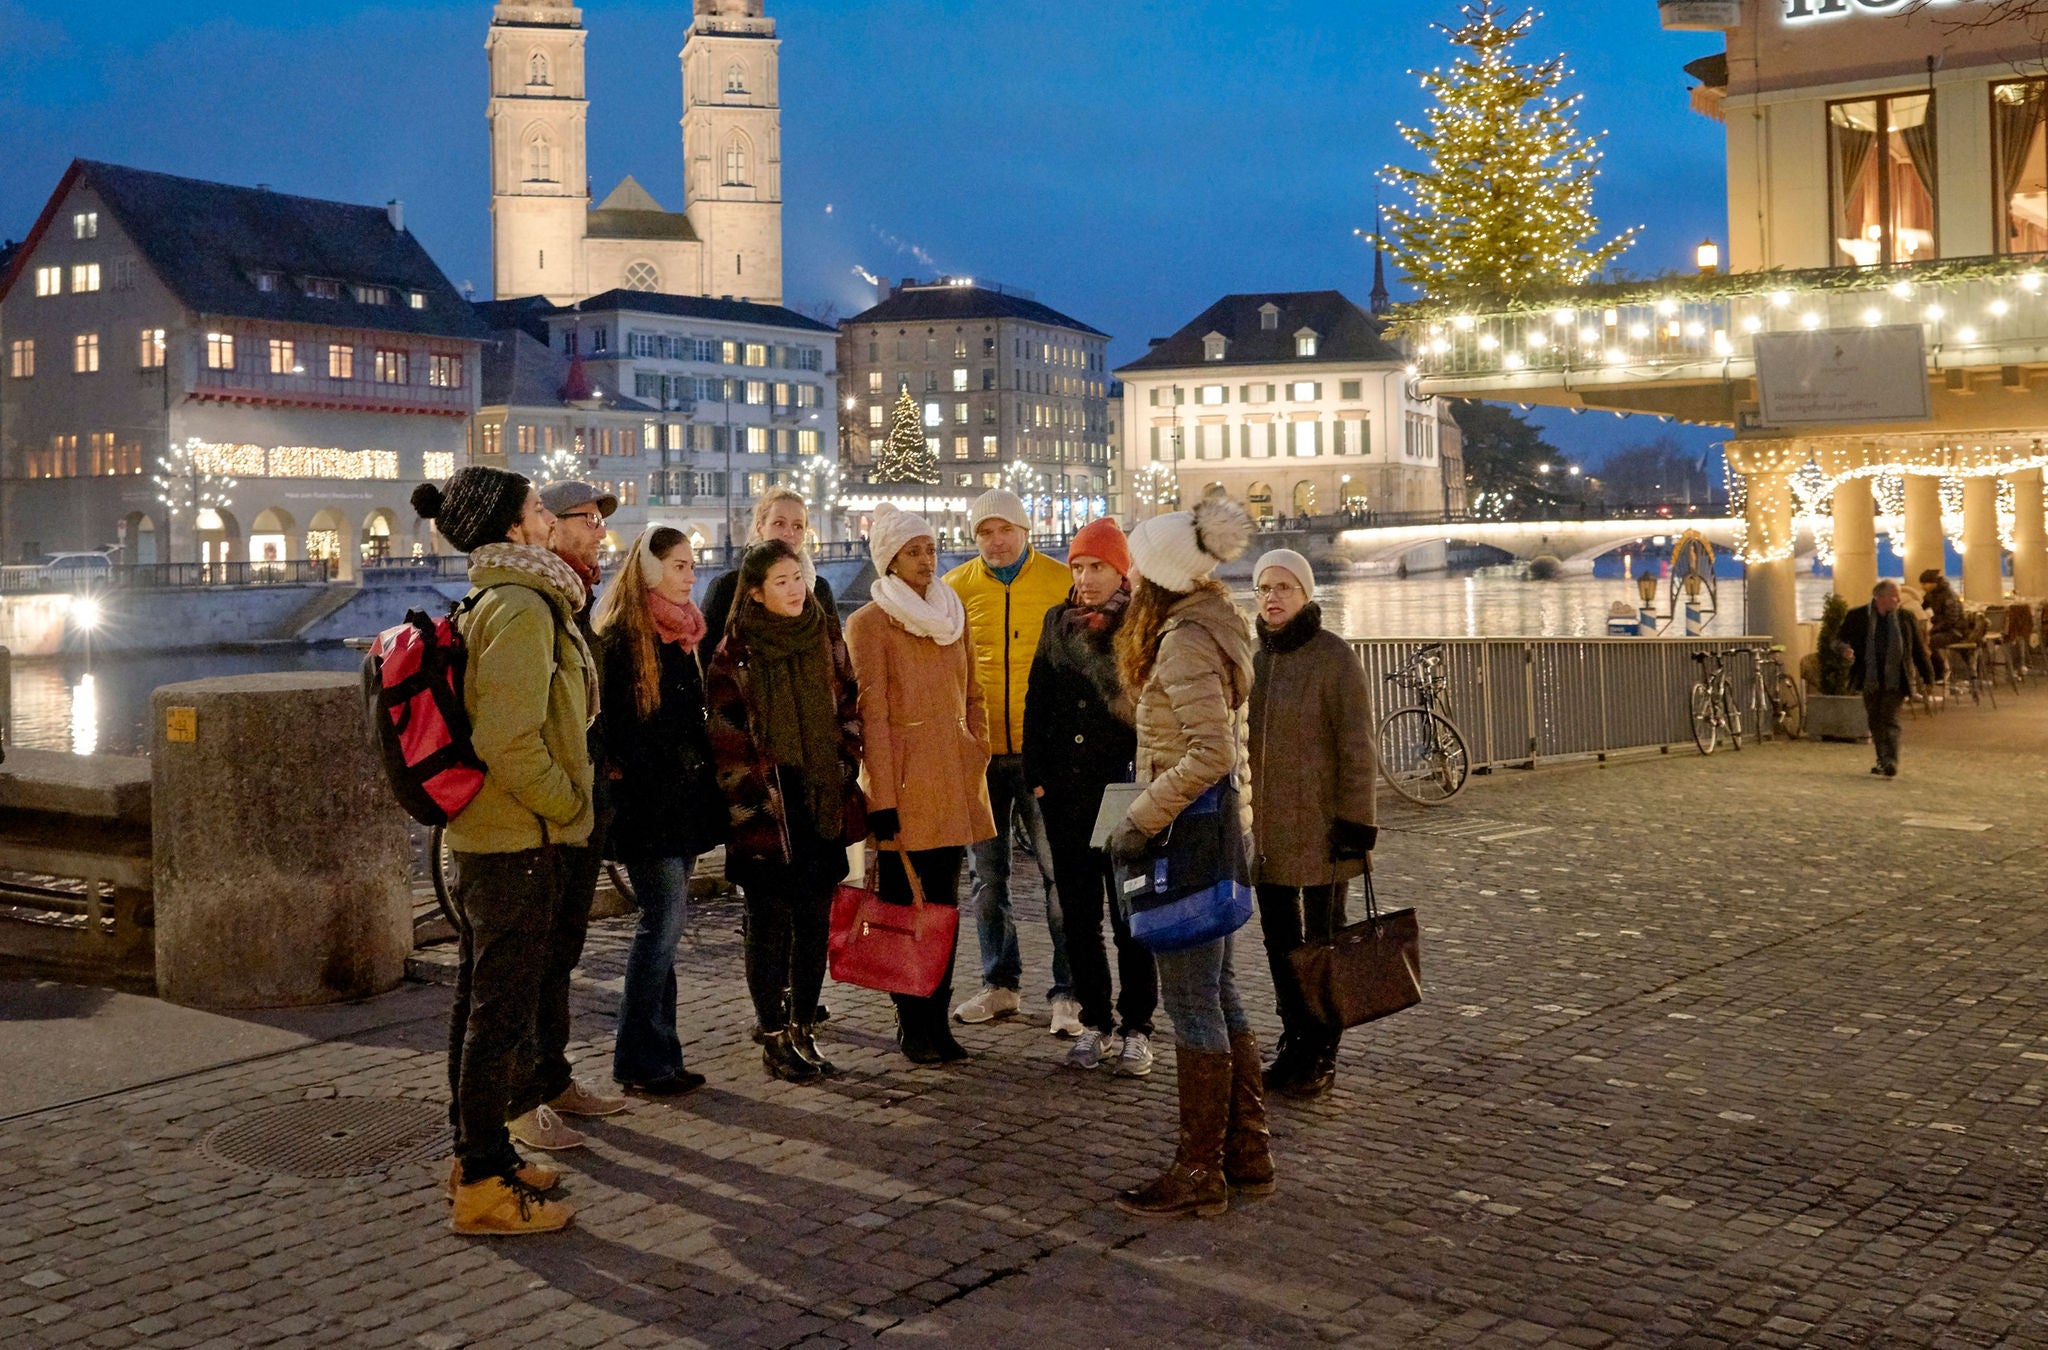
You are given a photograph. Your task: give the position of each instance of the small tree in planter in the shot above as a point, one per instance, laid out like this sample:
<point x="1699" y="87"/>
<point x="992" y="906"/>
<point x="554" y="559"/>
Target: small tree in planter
<point x="1834" y="713"/>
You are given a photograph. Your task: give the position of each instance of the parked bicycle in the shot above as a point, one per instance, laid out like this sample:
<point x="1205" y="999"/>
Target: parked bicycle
<point x="1715" y="713"/>
<point x="1422" y="751"/>
<point x="1779" y="702"/>
<point x="441" y="865"/>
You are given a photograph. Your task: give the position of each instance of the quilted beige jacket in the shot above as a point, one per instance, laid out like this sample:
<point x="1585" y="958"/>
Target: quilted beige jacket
<point x="1191" y="714"/>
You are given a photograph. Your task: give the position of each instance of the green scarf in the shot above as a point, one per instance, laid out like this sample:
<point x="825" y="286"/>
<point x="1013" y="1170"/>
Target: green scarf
<point x="792" y="678"/>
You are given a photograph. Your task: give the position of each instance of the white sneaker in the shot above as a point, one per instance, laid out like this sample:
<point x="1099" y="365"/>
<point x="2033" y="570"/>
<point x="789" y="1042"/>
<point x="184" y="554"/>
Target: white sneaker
<point x="1066" y="1017"/>
<point x="1135" y="1060"/>
<point x="542" y="1128"/>
<point x="988" y="1005"/>
<point x="1086" y="1051"/>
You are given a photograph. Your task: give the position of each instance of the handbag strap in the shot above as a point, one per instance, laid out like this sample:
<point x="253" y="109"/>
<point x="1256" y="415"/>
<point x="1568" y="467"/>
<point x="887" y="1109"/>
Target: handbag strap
<point x="916" y="886"/>
<point x="1372" y="900"/>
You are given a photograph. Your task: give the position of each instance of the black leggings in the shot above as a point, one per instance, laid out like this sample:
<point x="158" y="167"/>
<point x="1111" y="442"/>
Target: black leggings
<point x="938" y="872"/>
<point x="1289" y="916"/>
<point x="789" y="919"/>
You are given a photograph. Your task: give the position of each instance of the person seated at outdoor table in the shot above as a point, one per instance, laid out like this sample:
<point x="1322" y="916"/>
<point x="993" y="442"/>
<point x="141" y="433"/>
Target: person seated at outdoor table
<point x="1947" y="621"/>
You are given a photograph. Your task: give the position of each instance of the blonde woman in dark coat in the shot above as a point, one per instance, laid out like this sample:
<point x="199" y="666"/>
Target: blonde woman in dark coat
<point x="1312" y="774"/>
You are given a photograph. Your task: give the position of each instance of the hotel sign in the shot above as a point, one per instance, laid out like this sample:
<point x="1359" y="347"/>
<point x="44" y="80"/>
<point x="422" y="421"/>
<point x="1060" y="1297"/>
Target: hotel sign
<point x="1798" y="11"/>
<point x="1843" y="375"/>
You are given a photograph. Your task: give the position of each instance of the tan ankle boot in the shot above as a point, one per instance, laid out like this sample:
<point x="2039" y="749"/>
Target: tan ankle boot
<point x="1247" y="1142"/>
<point x="1195" y="1183"/>
<point x="537" y="1175"/>
<point x="506" y="1207"/>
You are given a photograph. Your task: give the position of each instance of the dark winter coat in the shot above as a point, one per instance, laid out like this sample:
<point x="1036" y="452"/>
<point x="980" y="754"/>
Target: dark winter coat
<point x="718" y="605"/>
<point x="760" y="839"/>
<point x="664" y="787"/>
<point x="1077" y="720"/>
<point x="1947" y="620"/>
<point x="1855" y="634"/>
<point x="1313" y="758"/>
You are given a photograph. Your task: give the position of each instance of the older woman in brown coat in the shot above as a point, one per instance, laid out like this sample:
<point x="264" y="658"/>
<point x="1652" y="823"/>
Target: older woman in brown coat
<point x="1312" y="770"/>
<point x="925" y="757"/>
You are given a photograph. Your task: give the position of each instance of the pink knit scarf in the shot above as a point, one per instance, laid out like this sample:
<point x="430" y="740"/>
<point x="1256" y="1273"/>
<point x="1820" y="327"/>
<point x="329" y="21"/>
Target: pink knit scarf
<point x="682" y="623"/>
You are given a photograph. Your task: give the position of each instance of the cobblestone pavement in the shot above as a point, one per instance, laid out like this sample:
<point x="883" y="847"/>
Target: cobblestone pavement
<point x="1714" y="1052"/>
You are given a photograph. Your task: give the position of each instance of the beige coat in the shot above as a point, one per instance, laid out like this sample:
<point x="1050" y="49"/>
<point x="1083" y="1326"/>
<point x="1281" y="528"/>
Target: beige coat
<point x="1312" y="758"/>
<point x="925" y="756"/>
<point x="1191" y="712"/>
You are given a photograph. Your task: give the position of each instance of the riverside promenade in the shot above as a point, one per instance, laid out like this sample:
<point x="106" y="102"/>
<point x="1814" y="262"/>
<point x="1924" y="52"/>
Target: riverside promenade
<point x="1744" y="1051"/>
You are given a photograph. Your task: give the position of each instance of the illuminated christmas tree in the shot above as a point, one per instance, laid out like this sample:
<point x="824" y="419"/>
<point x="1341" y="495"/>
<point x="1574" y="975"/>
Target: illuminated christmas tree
<point x="905" y="457"/>
<point x="1505" y="206"/>
<point x="193" y="482"/>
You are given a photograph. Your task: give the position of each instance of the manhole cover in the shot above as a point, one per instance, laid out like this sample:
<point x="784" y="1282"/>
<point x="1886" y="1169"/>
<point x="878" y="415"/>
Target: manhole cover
<point x="338" y="1137"/>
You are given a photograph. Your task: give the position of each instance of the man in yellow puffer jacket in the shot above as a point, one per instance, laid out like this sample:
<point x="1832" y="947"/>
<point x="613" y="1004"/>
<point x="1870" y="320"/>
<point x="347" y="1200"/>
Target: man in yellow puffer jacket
<point x="1007" y="591"/>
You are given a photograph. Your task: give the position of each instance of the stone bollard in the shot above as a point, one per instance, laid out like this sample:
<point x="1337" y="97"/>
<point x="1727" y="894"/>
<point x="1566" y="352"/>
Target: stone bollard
<point x="281" y="875"/>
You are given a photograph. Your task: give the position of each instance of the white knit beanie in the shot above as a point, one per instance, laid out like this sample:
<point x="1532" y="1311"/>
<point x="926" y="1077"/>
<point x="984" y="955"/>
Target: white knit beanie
<point x="1178" y="549"/>
<point x="894" y="527"/>
<point x="998" y="504"/>
<point x="1291" y="561"/>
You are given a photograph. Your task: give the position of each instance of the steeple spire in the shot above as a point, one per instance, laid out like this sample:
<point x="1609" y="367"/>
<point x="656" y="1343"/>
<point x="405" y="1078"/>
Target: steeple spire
<point x="1379" y="299"/>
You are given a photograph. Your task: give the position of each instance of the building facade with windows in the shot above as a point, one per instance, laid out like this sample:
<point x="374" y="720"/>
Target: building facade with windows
<point x="547" y="238"/>
<point x="731" y="397"/>
<point x="309" y="350"/>
<point x="1294" y="403"/>
<point x="1011" y="393"/>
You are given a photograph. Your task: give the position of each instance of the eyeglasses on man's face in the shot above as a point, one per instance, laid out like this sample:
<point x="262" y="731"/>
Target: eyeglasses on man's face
<point x="593" y="519"/>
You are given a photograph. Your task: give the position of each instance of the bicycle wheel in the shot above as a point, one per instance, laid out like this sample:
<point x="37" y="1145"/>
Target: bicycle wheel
<point x="1788" y="702"/>
<point x="1423" y="756"/>
<point x="1706" y="727"/>
<point x="1731" y="718"/>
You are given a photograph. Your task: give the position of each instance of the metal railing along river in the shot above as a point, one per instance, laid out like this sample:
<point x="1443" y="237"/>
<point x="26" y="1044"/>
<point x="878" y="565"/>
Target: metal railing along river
<point x="1520" y="701"/>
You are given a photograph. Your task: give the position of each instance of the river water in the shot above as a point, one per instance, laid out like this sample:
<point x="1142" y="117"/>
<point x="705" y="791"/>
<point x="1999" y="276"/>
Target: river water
<point x="101" y="706"/>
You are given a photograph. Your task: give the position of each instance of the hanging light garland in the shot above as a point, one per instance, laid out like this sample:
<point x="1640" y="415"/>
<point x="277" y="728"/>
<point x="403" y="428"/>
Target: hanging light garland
<point x="1156" y="485"/>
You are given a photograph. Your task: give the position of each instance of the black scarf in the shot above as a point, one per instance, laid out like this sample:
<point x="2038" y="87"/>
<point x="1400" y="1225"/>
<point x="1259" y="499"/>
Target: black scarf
<point x="792" y="674"/>
<point x="1101" y="621"/>
<point x="1295" y="633"/>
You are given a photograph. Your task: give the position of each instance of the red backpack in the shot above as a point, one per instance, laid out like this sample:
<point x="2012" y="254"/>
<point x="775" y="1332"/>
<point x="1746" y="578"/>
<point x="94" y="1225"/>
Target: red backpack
<point x="412" y="684"/>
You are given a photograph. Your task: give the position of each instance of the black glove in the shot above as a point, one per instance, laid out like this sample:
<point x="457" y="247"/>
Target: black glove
<point x="883" y="824"/>
<point x="1350" y="840"/>
<point x="1128" y="842"/>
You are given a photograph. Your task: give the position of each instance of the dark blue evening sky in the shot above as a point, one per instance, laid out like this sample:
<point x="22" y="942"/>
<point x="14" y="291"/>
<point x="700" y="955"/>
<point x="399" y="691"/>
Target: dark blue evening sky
<point x="1127" y="160"/>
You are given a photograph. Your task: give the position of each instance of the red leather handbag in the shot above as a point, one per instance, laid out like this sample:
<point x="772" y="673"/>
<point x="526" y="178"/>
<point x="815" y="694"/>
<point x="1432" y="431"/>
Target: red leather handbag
<point x="898" y="949"/>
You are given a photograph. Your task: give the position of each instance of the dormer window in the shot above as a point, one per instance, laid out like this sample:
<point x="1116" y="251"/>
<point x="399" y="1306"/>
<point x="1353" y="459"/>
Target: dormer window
<point x="1269" y="317"/>
<point x="1305" y="342"/>
<point x="323" y="288"/>
<point x="373" y="295"/>
<point x="266" y="281"/>
<point x="416" y="299"/>
<point x="1214" y="347"/>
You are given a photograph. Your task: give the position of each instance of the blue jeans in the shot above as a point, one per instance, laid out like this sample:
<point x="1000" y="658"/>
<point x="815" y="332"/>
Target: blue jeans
<point x="648" y="1048"/>
<point x="1002" y="965"/>
<point x="1199" y="990"/>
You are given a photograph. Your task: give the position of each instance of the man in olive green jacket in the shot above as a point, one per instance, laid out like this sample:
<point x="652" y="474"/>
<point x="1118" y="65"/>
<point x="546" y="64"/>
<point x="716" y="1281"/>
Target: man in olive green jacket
<point x="530" y="692"/>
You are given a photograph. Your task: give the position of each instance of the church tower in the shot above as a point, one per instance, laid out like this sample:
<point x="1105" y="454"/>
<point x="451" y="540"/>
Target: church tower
<point x="540" y="194"/>
<point x="732" y="148"/>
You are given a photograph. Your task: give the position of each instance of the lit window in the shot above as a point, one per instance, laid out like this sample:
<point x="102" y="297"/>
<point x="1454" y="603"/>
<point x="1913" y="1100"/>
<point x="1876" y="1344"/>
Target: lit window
<point x="85" y="276"/>
<point x="393" y="367"/>
<point x="416" y="299"/>
<point x="757" y="391"/>
<point x="220" y="351"/>
<point x="85" y="353"/>
<point x="1883" y="154"/>
<point x="959" y="379"/>
<point x="729" y="353"/>
<point x="756" y="354"/>
<point x="266" y="281"/>
<point x="1304" y="437"/>
<point x="85" y="225"/>
<point x="807" y="442"/>
<point x="875" y="416"/>
<point x="341" y="363"/>
<point x="988" y="447"/>
<point x="150" y="350"/>
<point x="21" y="358"/>
<point x="673" y="436"/>
<point x="373" y="295"/>
<point x="959" y="447"/>
<point x="284" y="356"/>
<point x="1302" y="392"/>
<point x="1210" y="393"/>
<point x="1304" y="344"/>
<point x="445" y="372"/>
<point x="933" y="414"/>
<point x="874" y="382"/>
<point x="757" y="440"/>
<point x="49" y="281"/>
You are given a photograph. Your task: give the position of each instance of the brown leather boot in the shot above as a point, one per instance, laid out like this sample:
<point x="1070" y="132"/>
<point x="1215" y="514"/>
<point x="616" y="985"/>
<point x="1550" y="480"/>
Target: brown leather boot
<point x="1247" y="1143"/>
<point x="1195" y="1183"/>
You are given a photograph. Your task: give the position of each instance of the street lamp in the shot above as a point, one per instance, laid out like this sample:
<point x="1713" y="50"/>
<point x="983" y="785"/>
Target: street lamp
<point x="1708" y="256"/>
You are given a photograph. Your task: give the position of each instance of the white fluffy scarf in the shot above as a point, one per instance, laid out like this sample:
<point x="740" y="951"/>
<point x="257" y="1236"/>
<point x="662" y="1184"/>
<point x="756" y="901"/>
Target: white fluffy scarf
<point x="937" y="614"/>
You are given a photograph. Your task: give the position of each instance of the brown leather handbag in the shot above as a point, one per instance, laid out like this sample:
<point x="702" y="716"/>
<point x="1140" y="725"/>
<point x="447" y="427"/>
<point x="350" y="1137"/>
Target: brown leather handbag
<point x="1364" y="972"/>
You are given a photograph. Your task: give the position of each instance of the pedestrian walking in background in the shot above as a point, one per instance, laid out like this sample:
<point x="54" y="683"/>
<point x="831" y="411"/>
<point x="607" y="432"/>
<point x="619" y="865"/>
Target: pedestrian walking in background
<point x="1186" y="651"/>
<point x="786" y="736"/>
<point x="530" y="690"/>
<point x="1312" y="774"/>
<point x="579" y="510"/>
<point x="925" y="743"/>
<point x="1884" y="647"/>
<point x="779" y="513"/>
<point x="666" y="805"/>
<point x="1078" y="739"/>
<point x="1007" y="590"/>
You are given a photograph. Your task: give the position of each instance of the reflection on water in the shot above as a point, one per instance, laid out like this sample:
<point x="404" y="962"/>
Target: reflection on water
<point x="58" y="705"/>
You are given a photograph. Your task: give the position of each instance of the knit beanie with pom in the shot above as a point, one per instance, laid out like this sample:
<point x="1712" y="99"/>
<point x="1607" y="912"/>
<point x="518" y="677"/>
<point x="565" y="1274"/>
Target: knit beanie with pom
<point x="479" y="506"/>
<point x="1180" y="548"/>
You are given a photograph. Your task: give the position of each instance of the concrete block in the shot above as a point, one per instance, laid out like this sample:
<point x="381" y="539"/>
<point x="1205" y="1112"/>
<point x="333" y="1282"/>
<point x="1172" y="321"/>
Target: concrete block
<point x="281" y="873"/>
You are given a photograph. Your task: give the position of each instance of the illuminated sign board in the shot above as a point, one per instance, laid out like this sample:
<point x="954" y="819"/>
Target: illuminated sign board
<point x="1796" y="11"/>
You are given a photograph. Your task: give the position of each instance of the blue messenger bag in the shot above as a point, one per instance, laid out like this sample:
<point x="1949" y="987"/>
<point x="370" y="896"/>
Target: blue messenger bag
<point x="1193" y="883"/>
